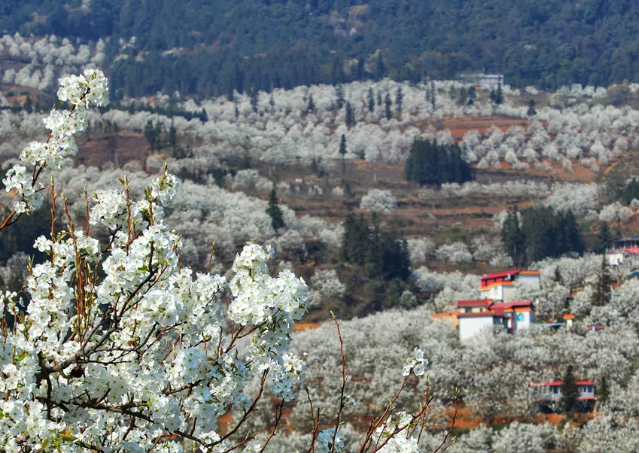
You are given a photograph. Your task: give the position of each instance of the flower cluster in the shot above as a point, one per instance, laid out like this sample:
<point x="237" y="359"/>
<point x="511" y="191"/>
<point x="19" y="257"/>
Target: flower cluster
<point x="81" y="92"/>
<point x="401" y="443"/>
<point x="325" y="441"/>
<point x="18" y="181"/>
<point x="415" y="363"/>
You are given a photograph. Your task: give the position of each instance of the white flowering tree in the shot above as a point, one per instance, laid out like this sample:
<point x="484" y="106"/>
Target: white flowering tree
<point x="121" y="349"/>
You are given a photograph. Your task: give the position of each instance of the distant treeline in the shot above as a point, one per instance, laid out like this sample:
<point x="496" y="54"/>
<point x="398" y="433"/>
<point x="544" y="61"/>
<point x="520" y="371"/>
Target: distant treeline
<point x="217" y="46"/>
<point x="170" y="110"/>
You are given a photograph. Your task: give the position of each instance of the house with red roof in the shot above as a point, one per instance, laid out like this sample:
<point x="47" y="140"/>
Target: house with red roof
<point x="551" y="391"/>
<point x="479" y="317"/>
<point x="625" y="247"/>
<point x="501" y="285"/>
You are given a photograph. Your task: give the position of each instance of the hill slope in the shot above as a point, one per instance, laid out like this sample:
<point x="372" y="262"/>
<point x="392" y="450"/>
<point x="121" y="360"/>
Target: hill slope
<point x="217" y="45"/>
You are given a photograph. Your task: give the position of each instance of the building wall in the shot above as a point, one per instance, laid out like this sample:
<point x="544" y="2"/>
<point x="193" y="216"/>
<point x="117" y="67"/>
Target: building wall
<point x="528" y="319"/>
<point x="532" y="280"/>
<point x="614" y="259"/>
<point x="495" y="293"/>
<point x="475" y="326"/>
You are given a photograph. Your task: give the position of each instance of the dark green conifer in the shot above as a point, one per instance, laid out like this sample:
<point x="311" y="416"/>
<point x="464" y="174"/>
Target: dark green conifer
<point x="274" y="210"/>
<point x="569" y="391"/>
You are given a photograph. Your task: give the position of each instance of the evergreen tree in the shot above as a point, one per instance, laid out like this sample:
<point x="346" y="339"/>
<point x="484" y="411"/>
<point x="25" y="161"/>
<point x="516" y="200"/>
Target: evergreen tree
<point x="355" y="239"/>
<point x="432" y="95"/>
<point x="339" y="95"/>
<point x="274" y="210"/>
<point x="618" y="232"/>
<point x="388" y="103"/>
<point x="204" y="117"/>
<point x="379" y="98"/>
<point x="499" y="95"/>
<point x="399" y="99"/>
<point x="350" y="115"/>
<point x="532" y="111"/>
<point x="603" y="391"/>
<point x="603" y="285"/>
<point x="371" y="100"/>
<point x="463" y="97"/>
<point x="631" y="191"/>
<point x="472" y="95"/>
<point x="173" y="138"/>
<point x="271" y="102"/>
<point x="152" y="135"/>
<point x="311" y="104"/>
<point x="512" y="236"/>
<point x="343" y="151"/>
<point x="568" y="235"/>
<point x="255" y="99"/>
<point x="604" y="239"/>
<point x="569" y="391"/>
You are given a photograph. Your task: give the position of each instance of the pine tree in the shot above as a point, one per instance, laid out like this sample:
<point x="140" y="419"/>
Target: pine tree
<point x="631" y="191"/>
<point x="173" y="138"/>
<point x="499" y="95"/>
<point x="604" y="239"/>
<point x="311" y="104"/>
<point x="603" y="391"/>
<point x="350" y="115"/>
<point x="432" y="95"/>
<point x="472" y="95"/>
<point x="618" y="232"/>
<point x="603" y="285"/>
<point x="343" y="151"/>
<point x="274" y="210"/>
<point x="532" y="111"/>
<point x="255" y="99"/>
<point x="152" y="135"/>
<point x="463" y="97"/>
<point x="371" y="100"/>
<point x="388" y="103"/>
<point x="569" y="391"/>
<point x="512" y="236"/>
<point x="569" y="237"/>
<point x="339" y="95"/>
<point x="379" y="98"/>
<point x="271" y="102"/>
<point x="399" y="99"/>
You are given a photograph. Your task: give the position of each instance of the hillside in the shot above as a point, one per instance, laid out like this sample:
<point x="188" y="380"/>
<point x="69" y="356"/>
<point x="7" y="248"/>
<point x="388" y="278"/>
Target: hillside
<point x="211" y="47"/>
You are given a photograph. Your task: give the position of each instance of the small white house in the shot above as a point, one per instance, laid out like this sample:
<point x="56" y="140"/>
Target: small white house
<point x="482" y="315"/>
<point x="473" y="325"/>
<point x="501" y="285"/>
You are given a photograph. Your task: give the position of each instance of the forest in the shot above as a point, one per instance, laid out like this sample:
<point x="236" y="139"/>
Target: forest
<point x="209" y="48"/>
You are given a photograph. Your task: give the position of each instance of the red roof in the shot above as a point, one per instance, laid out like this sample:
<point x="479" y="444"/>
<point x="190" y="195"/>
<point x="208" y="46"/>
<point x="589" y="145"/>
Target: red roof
<point x="511" y="305"/>
<point x="474" y="303"/>
<point x="502" y="274"/>
<point x="632" y="250"/>
<point x="556" y="383"/>
<point x="485" y="314"/>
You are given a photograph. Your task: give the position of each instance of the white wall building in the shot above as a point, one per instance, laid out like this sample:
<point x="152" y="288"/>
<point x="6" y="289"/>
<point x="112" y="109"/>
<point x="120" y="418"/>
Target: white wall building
<point x="501" y="285"/>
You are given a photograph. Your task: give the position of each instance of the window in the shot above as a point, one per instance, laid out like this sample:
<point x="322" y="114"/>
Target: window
<point x="521" y="317"/>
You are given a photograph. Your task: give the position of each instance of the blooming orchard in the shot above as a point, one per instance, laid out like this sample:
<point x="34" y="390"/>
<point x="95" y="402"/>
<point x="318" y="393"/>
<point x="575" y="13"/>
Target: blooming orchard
<point x="121" y="349"/>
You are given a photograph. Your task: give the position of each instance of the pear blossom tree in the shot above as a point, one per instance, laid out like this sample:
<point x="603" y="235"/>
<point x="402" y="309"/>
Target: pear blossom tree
<point x="122" y="349"/>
